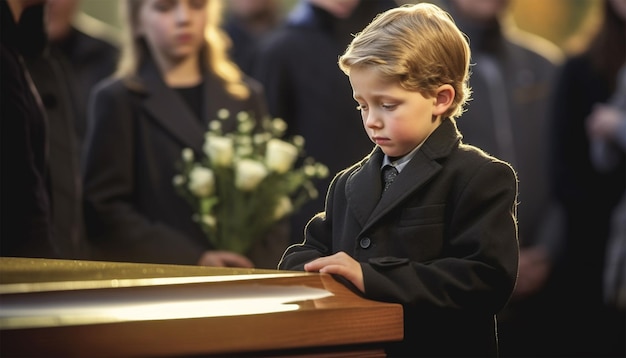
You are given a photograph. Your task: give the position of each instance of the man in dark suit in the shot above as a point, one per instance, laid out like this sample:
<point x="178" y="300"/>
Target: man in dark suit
<point x="87" y="50"/>
<point x="297" y="66"/>
<point x="64" y="73"/>
<point x="25" y="228"/>
<point x="511" y="82"/>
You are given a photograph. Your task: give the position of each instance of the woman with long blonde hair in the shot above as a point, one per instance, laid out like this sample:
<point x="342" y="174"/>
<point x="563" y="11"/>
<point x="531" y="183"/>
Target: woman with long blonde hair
<point x="173" y="77"/>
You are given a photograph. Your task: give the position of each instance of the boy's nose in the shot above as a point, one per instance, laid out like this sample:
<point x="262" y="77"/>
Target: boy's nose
<point x="372" y="120"/>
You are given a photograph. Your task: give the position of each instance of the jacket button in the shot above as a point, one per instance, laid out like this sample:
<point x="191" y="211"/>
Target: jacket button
<point x="365" y="242"/>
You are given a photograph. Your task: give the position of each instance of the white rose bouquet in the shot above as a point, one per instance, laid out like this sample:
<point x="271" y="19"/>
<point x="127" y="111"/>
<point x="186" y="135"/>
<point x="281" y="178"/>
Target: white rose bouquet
<point x="246" y="181"/>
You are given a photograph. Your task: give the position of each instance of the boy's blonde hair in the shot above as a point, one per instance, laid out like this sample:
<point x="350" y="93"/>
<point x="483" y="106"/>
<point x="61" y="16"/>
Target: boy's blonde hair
<point x="418" y="45"/>
<point x="215" y="50"/>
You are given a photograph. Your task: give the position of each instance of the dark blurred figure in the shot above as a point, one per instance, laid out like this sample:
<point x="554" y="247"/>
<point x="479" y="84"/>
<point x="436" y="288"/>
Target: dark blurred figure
<point x="25" y="229"/>
<point x="512" y="78"/>
<point x="85" y="45"/>
<point x="589" y="194"/>
<point x="606" y="127"/>
<point x="63" y="74"/>
<point x="297" y="64"/>
<point x="247" y="23"/>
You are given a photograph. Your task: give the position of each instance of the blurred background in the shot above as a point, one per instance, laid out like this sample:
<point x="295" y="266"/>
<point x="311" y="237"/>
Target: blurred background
<point x="566" y="23"/>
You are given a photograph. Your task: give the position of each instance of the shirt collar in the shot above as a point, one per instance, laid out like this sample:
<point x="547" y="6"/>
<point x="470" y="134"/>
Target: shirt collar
<point x="401" y="162"/>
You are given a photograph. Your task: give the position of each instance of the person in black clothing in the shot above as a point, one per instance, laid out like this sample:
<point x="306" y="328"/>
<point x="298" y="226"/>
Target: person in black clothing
<point x="85" y="48"/>
<point x="297" y="66"/>
<point x="441" y="239"/>
<point x="64" y="83"/>
<point x="512" y="76"/>
<point x="588" y="195"/>
<point x="247" y="23"/>
<point x="25" y="212"/>
<point x="171" y="82"/>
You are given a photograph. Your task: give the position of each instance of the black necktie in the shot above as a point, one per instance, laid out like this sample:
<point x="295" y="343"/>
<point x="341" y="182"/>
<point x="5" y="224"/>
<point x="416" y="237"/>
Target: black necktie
<point x="389" y="175"/>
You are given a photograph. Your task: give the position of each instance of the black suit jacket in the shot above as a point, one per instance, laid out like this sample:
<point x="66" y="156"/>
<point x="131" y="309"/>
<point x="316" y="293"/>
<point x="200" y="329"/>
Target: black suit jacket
<point x="25" y="227"/>
<point x="88" y="59"/>
<point x="53" y="84"/>
<point x="135" y="137"/>
<point x="442" y="241"/>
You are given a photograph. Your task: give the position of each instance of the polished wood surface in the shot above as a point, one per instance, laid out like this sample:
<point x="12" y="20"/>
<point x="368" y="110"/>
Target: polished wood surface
<point x="86" y="308"/>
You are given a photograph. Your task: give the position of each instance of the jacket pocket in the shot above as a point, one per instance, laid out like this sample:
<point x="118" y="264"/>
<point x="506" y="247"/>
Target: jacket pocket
<point x="422" y="215"/>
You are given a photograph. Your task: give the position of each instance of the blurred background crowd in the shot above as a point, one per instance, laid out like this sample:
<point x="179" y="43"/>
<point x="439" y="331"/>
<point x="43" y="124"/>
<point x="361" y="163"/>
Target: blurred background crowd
<point x="549" y="96"/>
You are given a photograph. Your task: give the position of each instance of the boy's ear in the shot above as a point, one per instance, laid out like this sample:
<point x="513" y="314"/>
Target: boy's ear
<point x="443" y="99"/>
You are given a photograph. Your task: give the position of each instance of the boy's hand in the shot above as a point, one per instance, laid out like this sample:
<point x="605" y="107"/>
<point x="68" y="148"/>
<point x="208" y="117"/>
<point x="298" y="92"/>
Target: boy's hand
<point x="339" y="264"/>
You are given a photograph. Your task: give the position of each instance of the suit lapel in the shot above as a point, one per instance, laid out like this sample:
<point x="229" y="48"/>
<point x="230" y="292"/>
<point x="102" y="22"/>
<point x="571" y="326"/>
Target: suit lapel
<point x="364" y="187"/>
<point x="416" y="173"/>
<point x="170" y="111"/>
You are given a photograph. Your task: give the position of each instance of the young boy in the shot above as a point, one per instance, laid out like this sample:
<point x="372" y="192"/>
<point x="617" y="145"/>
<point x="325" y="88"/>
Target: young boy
<point x="442" y="239"/>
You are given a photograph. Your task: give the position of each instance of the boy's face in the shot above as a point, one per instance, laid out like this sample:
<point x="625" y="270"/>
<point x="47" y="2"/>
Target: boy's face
<point x="395" y="119"/>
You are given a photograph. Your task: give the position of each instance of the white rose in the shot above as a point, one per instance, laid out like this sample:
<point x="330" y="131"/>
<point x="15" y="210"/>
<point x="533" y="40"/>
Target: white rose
<point x="223" y="114"/>
<point x="187" y="155"/>
<point x="248" y="174"/>
<point x="322" y="170"/>
<point x="260" y="138"/>
<point x="299" y="141"/>
<point x="178" y="180"/>
<point x="219" y="150"/>
<point x="283" y="208"/>
<point x="243" y="116"/>
<point x="246" y="127"/>
<point x="280" y="155"/>
<point x="201" y="181"/>
<point x="209" y="220"/>
<point x="215" y="126"/>
<point x="279" y="126"/>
